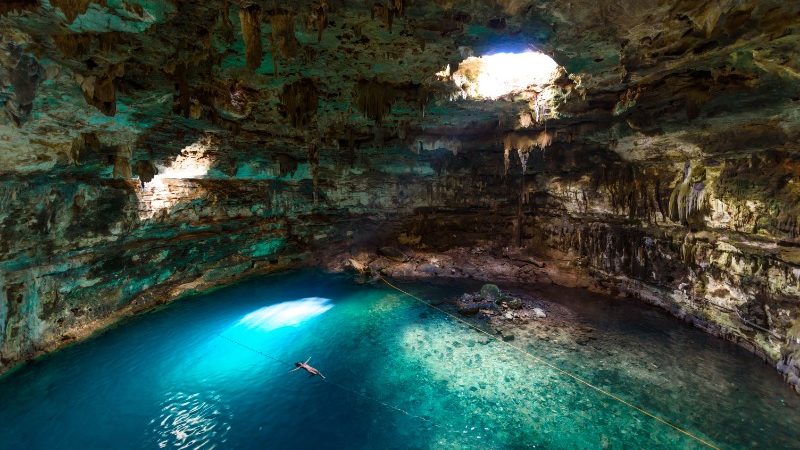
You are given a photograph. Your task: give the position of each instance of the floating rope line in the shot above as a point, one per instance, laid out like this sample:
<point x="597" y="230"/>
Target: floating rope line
<point x="278" y="360"/>
<point x="340" y="386"/>
<point x="558" y="369"/>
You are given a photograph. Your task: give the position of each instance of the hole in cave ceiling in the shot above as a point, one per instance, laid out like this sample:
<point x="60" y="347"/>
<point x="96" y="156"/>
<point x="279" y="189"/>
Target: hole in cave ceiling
<point x="497" y="75"/>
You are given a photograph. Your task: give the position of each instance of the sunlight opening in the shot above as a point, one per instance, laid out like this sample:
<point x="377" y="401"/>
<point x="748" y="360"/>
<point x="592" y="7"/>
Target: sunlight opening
<point x="500" y="74"/>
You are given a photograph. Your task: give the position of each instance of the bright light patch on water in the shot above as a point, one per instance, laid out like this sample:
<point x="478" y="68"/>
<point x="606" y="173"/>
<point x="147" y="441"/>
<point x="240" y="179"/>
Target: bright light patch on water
<point x="286" y="314"/>
<point x="499" y="74"/>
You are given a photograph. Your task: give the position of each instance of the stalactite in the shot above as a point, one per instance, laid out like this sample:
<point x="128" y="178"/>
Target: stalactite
<point x="100" y="92"/>
<point x="18" y="5"/>
<point x="374" y="99"/>
<point x="122" y="167"/>
<point x="384" y="12"/>
<point x="351" y="146"/>
<point x="299" y="102"/>
<point x="506" y="159"/>
<point x="226" y="25"/>
<point x="287" y="164"/>
<point x="688" y="198"/>
<point x="313" y="162"/>
<point x="145" y="170"/>
<point x="82" y="146"/>
<point x="523" y="158"/>
<point x="284" y="41"/>
<point x="122" y="162"/>
<point x="524" y="144"/>
<point x="250" y="18"/>
<point x="182" y="101"/>
<point x="695" y="99"/>
<point x="73" y="8"/>
<point x="399" y="7"/>
<point x="319" y="17"/>
<point x="25" y="74"/>
<point x="73" y="45"/>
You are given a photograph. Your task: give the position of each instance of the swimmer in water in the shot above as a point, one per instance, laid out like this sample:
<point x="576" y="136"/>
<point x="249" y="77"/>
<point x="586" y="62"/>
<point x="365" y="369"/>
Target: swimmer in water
<point x="304" y="365"/>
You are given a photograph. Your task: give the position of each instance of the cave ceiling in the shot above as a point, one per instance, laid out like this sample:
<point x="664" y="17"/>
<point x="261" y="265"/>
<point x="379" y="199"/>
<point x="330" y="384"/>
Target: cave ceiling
<point x="650" y="80"/>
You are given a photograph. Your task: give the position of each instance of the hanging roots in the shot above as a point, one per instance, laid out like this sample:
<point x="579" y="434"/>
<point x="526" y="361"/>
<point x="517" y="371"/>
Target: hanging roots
<point x="374" y="99"/>
<point x="250" y="17"/>
<point x="299" y="102"/>
<point x="524" y="144"/>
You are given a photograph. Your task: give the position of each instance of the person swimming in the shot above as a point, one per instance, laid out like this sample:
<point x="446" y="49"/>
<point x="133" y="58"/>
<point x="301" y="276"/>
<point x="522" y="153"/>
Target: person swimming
<point x="304" y="365"/>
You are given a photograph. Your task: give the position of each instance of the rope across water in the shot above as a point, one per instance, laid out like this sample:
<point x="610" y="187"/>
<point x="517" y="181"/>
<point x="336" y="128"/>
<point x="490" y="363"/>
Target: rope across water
<point x="571" y="375"/>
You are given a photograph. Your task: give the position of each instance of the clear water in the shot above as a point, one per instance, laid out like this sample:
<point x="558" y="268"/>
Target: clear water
<point x="168" y="380"/>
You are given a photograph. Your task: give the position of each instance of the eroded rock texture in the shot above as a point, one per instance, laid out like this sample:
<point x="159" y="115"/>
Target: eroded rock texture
<point x="152" y="147"/>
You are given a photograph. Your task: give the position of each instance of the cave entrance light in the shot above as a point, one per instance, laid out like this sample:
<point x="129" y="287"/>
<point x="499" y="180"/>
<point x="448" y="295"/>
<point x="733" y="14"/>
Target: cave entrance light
<point x="496" y="75"/>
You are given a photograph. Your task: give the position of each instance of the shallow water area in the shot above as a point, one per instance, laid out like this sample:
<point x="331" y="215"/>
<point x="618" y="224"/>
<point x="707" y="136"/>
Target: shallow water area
<point x="213" y="371"/>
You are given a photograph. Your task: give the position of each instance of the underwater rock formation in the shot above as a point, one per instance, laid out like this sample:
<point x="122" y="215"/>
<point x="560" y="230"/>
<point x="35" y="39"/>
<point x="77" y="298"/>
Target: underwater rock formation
<point x="147" y="149"/>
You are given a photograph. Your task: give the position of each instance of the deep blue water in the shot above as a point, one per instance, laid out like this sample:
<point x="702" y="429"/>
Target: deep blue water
<point x="190" y="375"/>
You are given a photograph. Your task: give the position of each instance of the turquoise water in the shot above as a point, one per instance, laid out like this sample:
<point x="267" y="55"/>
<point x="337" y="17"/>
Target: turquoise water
<point x="189" y="376"/>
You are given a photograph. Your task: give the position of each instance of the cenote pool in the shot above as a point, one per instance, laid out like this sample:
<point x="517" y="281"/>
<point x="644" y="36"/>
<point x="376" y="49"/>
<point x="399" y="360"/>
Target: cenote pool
<point x="190" y="376"/>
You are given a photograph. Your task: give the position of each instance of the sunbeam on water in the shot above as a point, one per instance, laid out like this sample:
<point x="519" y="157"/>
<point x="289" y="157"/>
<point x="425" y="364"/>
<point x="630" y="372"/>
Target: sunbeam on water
<point x="286" y="314"/>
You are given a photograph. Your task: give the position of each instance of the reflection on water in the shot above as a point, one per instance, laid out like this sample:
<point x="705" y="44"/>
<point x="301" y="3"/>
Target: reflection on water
<point x="286" y="314"/>
<point x="192" y="421"/>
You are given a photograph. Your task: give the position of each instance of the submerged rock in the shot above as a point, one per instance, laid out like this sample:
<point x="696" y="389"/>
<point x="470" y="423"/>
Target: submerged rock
<point x="490" y="292"/>
<point x="470" y="304"/>
<point x="512" y="302"/>
<point x="505" y="335"/>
